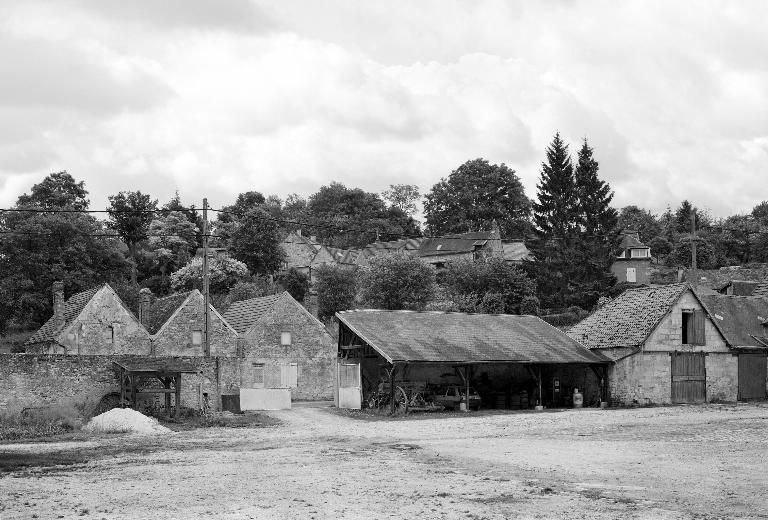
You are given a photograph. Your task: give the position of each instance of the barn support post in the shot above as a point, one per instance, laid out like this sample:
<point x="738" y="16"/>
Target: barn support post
<point x="167" y="384"/>
<point x="177" y="384"/>
<point x="392" y="403"/>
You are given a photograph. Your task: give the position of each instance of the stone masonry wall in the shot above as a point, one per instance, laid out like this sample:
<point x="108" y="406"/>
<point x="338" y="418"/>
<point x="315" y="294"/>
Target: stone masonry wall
<point x="86" y="335"/>
<point x="175" y="339"/>
<point x="668" y="336"/>
<point x="644" y="378"/>
<point x="29" y="380"/>
<point x="297" y="252"/>
<point x="722" y="377"/>
<point x="311" y="348"/>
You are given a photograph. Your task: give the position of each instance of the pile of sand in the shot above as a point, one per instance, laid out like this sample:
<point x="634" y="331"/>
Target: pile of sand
<point x="124" y="420"/>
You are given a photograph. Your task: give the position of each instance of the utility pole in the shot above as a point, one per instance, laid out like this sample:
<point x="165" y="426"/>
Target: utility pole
<point x="693" y="240"/>
<point x="206" y="296"/>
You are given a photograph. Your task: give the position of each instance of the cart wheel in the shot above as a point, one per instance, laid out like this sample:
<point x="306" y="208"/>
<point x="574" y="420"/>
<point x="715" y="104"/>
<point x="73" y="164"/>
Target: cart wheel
<point x="401" y="400"/>
<point x="373" y="402"/>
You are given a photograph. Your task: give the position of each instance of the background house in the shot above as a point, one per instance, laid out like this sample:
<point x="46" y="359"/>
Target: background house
<point x="664" y="346"/>
<point x="633" y="263"/>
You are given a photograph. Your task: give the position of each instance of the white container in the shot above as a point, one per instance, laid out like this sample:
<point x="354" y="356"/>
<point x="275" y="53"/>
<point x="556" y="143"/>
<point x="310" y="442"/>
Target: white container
<point x="578" y="399"/>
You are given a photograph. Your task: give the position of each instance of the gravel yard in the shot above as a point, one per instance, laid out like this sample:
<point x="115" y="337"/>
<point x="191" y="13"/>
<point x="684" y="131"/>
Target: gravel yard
<point x="673" y="462"/>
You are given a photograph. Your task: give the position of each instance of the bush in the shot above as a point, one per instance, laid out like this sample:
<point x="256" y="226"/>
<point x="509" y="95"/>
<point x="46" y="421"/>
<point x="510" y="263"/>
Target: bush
<point x="397" y="281"/>
<point x="336" y="290"/>
<point x="296" y="283"/>
<point x="39" y="422"/>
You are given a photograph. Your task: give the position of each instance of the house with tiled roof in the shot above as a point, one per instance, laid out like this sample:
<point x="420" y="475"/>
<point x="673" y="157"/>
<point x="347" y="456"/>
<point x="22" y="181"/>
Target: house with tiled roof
<point x="666" y="346"/>
<point x="283" y="347"/>
<point x="633" y="263"/>
<point x="91" y="322"/>
<point x="176" y="323"/>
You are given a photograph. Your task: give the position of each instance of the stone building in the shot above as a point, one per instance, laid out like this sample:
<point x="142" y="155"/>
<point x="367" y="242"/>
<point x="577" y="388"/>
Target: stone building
<point x="633" y="264"/>
<point x="176" y="323"/>
<point x="665" y="347"/>
<point x="283" y="347"/>
<point x="92" y="322"/>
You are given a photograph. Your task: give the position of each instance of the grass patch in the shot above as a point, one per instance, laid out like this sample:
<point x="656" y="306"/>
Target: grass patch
<point x="39" y="422"/>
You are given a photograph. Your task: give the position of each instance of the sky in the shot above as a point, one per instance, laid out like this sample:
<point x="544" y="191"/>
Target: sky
<point x="214" y="98"/>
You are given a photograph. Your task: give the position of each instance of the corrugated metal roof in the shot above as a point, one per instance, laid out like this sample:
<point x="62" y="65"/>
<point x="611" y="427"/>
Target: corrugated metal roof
<point x="454" y="337"/>
<point x="627" y="320"/>
<point x="244" y="314"/>
<point x="72" y="308"/>
<point x="740" y="318"/>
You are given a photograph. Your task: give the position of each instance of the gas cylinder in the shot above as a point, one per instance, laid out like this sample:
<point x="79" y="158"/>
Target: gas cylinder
<point x="578" y="399"/>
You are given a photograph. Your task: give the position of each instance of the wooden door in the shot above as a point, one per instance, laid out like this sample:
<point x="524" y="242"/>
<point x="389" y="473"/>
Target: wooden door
<point x="689" y="377"/>
<point x="752" y="375"/>
<point x="631" y="274"/>
<point x="349" y="388"/>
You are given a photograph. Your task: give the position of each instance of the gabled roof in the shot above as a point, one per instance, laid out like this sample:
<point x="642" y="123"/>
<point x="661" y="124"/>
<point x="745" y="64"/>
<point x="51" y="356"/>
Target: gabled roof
<point x="242" y="315"/>
<point x="630" y="241"/>
<point x="72" y="309"/>
<point x="447" y="246"/>
<point x="739" y="287"/>
<point x="629" y="319"/>
<point x="454" y="337"/>
<point x="162" y="309"/>
<point x="761" y="289"/>
<point x="740" y="318"/>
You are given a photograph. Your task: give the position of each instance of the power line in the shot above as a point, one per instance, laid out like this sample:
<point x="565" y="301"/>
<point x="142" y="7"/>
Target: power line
<point x="108" y="235"/>
<point x="110" y="211"/>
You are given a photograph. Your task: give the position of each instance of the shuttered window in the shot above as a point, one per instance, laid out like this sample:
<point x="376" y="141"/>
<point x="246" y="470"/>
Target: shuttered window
<point x="289" y="375"/>
<point x="693" y="328"/>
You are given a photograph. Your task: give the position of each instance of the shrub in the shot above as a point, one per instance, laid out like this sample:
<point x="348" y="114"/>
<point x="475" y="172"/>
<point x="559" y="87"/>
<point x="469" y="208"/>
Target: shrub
<point x="39" y="422"/>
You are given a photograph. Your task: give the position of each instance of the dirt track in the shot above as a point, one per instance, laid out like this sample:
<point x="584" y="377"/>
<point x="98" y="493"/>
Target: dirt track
<point x="681" y="462"/>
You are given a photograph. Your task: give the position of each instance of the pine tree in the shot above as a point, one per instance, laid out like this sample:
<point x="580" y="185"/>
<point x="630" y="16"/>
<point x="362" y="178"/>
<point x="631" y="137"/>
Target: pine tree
<point x="598" y="225"/>
<point x="556" y="219"/>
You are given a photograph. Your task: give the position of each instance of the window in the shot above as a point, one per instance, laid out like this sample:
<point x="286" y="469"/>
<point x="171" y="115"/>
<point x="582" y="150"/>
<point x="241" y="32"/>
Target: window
<point x="285" y="338"/>
<point x="197" y="337"/>
<point x="639" y="253"/>
<point x="257" y="375"/>
<point x="693" y="332"/>
<point x="109" y="334"/>
<point x="289" y="375"/>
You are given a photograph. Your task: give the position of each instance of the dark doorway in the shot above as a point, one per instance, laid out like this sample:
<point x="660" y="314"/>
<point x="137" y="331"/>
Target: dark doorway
<point x="752" y="375"/>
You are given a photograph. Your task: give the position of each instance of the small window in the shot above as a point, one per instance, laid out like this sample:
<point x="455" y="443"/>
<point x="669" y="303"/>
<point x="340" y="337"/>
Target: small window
<point x="639" y="253"/>
<point x="285" y="338"/>
<point x="197" y="337"/>
<point x="289" y="375"/>
<point x="257" y="375"/>
<point x="109" y="334"/>
<point x="693" y="328"/>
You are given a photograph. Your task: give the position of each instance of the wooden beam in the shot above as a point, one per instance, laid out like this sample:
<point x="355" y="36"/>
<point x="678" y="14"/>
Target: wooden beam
<point x="177" y="384"/>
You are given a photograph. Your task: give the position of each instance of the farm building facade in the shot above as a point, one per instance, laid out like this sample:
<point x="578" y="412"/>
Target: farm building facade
<point x="666" y="346"/>
<point x="510" y="361"/>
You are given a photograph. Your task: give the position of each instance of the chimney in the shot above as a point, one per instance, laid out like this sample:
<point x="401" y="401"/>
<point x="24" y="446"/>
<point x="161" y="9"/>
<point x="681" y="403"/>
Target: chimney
<point x="58" y="303"/>
<point x="145" y="295"/>
<point x="298" y="231"/>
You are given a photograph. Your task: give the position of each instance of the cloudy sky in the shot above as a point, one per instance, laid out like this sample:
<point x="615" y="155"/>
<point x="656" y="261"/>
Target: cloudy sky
<point x="216" y="98"/>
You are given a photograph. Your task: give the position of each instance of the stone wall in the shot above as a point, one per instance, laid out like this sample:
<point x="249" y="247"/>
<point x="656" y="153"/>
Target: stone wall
<point x="722" y="377"/>
<point x="30" y="380"/>
<point x="175" y="338"/>
<point x="312" y="349"/>
<point x="297" y="252"/>
<point x="642" y="269"/>
<point x="668" y="336"/>
<point x="87" y="335"/>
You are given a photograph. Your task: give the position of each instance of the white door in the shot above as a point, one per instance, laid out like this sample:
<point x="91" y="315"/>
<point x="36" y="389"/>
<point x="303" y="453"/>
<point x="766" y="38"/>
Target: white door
<point x="631" y="275"/>
<point x="350" y="390"/>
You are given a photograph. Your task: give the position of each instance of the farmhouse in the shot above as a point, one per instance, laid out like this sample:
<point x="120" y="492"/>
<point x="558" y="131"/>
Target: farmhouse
<point x="283" y="347"/>
<point x="511" y="361"/>
<point x="633" y="264"/>
<point x="665" y="346"/>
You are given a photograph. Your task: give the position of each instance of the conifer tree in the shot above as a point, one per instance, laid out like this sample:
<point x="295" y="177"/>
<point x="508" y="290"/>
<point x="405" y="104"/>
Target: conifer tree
<point x="556" y="219"/>
<point x="598" y="228"/>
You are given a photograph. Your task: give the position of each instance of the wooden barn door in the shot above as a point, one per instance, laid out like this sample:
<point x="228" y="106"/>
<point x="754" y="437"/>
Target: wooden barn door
<point x="752" y="374"/>
<point x="349" y="386"/>
<point x="689" y="377"/>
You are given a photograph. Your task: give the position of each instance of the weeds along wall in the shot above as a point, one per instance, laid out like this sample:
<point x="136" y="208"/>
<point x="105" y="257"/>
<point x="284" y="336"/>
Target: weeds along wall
<point x="33" y="380"/>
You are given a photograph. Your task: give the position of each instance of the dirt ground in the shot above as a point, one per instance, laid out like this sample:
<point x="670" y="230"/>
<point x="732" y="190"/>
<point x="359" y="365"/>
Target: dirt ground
<point x="675" y="462"/>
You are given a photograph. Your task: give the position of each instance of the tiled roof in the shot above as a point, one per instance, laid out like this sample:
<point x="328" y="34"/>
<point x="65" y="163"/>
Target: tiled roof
<point x="740" y="318"/>
<point x="454" y="337"/>
<point x="72" y="308"/>
<point x="630" y="241"/>
<point x="243" y="314"/>
<point x="740" y="287"/>
<point x="761" y="289"/>
<point x="627" y="320"/>
<point x="446" y="246"/>
<point x="162" y="309"/>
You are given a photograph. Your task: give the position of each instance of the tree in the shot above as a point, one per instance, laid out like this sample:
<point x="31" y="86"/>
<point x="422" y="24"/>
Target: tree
<point x="397" y="281"/>
<point x="130" y="214"/>
<point x="255" y="241"/>
<point x="473" y="196"/>
<point x="683" y="216"/>
<point x="760" y="213"/>
<point x="598" y="230"/>
<point x="296" y="283"/>
<point x="172" y="241"/>
<point x="640" y="220"/>
<point x="223" y="273"/>
<point x="488" y="285"/>
<point x="556" y="216"/>
<point x="56" y="191"/>
<point x="402" y="196"/>
<point x="336" y="290"/>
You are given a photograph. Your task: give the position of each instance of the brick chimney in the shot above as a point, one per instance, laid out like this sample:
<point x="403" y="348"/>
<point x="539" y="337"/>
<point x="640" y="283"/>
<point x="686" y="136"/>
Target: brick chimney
<point x="58" y="303"/>
<point x="145" y="297"/>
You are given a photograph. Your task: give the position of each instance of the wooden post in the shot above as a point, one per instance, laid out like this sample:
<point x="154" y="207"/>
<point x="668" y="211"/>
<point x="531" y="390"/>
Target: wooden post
<point x="541" y="396"/>
<point x="122" y="388"/>
<point x="206" y="296"/>
<point x="392" y="389"/>
<point x="177" y="382"/>
<point x="467" y="371"/>
<point x="167" y="384"/>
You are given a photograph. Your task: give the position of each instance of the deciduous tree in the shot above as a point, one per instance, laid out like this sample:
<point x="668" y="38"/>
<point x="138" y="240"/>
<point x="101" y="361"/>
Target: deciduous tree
<point x="336" y="290"/>
<point x="397" y="281"/>
<point x="130" y="214"/>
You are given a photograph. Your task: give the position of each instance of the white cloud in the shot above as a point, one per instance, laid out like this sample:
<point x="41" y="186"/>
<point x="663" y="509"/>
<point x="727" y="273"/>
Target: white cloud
<point x="215" y="99"/>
